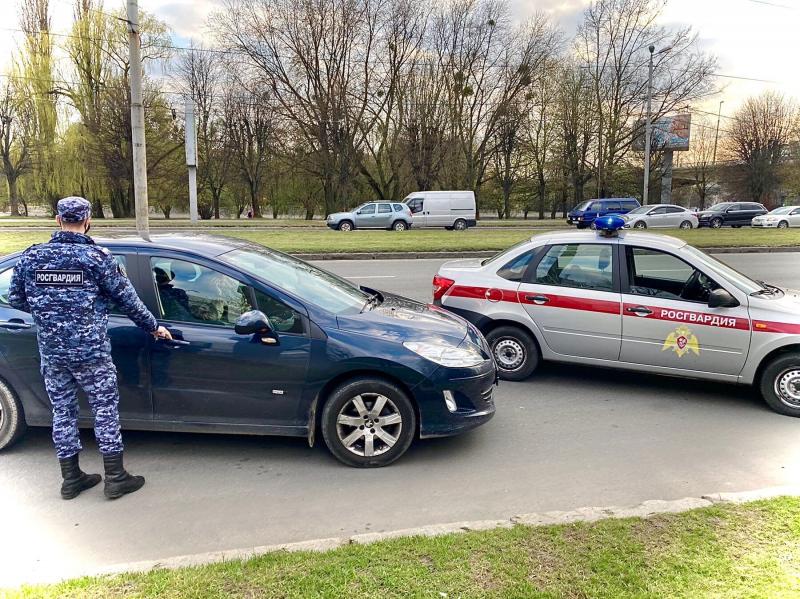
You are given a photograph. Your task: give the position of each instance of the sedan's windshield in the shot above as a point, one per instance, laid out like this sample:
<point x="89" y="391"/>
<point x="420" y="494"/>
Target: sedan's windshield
<point x="307" y="282"/>
<point x="782" y="210"/>
<point x="742" y="282"/>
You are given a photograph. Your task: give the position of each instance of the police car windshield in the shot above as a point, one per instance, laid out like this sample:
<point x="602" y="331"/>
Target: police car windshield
<point x="307" y="282"/>
<point x="742" y="282"/>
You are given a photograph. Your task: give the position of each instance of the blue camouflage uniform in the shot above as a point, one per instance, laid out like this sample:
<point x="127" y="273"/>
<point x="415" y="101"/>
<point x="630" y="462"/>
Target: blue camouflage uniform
<point x="67" y="286"/>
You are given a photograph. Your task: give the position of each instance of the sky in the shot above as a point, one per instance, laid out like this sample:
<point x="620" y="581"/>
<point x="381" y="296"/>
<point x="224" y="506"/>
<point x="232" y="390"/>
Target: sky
<point x="752" y="39"/>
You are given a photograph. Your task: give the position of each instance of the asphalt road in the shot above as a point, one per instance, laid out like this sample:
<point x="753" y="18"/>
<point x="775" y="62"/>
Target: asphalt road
<point x="566" y="438"/>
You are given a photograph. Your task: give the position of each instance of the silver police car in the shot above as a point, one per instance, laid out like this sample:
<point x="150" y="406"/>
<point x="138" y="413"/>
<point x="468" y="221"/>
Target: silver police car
<point x="629" y="300"/>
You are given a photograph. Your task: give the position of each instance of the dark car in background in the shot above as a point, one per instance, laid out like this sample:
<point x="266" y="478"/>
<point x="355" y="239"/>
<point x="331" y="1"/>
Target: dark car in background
<point x="264" y="343"/>
<point x="585" y="213"/>
<point x="730" y="214"/>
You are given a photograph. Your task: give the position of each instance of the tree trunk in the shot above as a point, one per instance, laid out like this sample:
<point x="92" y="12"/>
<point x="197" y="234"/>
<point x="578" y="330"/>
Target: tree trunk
<point x="13" y="195"/>
<point x="542" y="197"/>
<point x="309" y="214"/>
<point x="166" y="210"/>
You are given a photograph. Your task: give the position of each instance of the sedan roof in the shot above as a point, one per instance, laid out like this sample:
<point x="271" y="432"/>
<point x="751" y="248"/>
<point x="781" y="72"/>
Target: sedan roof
<point x="202" y="244"/>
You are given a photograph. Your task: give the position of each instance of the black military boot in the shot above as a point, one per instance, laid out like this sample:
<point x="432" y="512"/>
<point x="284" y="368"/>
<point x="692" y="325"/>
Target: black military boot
<point x="118" y="481"/>
<point x="75" y="480"/>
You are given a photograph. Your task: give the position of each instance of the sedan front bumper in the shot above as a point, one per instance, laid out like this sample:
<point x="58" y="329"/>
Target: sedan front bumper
<point x="473" y="392"/>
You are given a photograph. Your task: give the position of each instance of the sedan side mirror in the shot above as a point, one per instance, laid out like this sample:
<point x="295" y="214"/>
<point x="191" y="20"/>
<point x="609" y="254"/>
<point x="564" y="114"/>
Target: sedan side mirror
<point x="720" y="298"/>
<point x="252" y="323"/>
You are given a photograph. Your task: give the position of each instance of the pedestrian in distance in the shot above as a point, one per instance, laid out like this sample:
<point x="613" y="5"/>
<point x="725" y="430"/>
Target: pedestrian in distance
<point x="67" y="285"/>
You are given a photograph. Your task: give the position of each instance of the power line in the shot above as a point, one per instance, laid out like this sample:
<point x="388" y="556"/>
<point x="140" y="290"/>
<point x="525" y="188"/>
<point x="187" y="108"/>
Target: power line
<point x="774" y="4"/>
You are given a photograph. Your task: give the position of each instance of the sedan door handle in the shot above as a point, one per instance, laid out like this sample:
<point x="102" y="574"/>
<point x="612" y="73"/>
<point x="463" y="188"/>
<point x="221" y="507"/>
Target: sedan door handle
<point x="537" y="299"/>
<point x="15" y="325"/>
<point x="639" y="310"/>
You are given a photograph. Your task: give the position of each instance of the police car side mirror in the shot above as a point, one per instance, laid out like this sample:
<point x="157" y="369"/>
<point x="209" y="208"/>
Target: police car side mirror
<point x="252" y="323"/>
<point x="720" y="298"/>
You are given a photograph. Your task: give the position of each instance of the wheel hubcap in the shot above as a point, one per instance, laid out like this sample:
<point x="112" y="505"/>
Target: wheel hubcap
<point x="369" y="424"/>
<point x="509" y="354"/>
<point x="787" y="387"/>
<point x="685" y="225"/>
<point x="345" y="227"/>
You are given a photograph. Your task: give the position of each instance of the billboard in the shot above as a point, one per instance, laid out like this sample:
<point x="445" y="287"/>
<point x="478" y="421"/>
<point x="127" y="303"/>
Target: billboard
<point x="668" y="133"/>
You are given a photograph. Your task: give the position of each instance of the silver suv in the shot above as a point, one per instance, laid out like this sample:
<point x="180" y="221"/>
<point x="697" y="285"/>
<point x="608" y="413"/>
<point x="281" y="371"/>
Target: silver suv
<point x="374" y="215"/>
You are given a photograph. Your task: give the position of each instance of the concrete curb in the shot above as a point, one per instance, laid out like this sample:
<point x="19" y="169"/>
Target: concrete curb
<point x="646" y="509"/>
<point x="488" y="253"/>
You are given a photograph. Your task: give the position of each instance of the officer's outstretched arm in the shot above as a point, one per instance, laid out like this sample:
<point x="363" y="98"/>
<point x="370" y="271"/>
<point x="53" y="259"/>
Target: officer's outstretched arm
<point x="118" y="288"/>
<point x="17" y="297"/>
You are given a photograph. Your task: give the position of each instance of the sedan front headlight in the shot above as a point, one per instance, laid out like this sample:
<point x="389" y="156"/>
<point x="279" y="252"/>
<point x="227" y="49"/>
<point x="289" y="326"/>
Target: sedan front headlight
<point x="446" y="354"/>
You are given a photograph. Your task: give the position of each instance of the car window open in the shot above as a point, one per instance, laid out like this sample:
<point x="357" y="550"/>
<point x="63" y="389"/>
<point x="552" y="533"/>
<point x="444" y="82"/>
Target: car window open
<point x="654" y="273"/>
<point x="583" y="265"/>
<point x="190" y="292"/>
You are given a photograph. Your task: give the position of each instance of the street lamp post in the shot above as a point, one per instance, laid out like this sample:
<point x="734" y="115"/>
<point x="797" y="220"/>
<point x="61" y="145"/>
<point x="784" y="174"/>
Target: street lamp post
<point x="647" y="128"/>
<point x="716" y="135"/>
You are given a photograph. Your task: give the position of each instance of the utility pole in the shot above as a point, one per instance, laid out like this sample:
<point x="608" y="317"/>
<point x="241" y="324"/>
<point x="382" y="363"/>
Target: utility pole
<point x="716" y="135"/>
<point x="137" y="123"/>
<point x="647" y="128"/>
<point x="191" y="157"/>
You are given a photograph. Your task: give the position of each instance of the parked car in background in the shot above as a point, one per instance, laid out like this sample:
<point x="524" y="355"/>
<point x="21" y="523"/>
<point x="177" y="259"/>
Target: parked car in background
<point x="373" y="215"/>
<point x="730" y="214"/>
<point x="660" y="216"/>
<point x="584" y="214"/>
<point x="266" y="344"/>
<point x="780" y="218"/>
<point x="448" y="209"/>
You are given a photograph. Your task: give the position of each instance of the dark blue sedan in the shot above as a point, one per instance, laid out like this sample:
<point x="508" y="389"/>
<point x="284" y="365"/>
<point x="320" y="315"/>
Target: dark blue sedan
<point x="267" y="344"/>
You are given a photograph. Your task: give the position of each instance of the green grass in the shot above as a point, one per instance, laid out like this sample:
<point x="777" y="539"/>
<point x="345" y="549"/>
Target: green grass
<point x="749" y="550"/>
<point x="325" y="241"/>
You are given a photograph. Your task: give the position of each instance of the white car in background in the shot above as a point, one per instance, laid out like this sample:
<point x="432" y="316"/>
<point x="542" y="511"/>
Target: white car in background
<point x="660" y="216"/>
<point x="780" y="218"/>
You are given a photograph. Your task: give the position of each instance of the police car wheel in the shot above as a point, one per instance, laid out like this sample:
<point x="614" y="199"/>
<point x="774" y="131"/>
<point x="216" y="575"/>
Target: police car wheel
<point x="368" y="423"/>
<point x="780" y="384"/>
<point x="12" y="418"/>
<point x="515" y="352"/>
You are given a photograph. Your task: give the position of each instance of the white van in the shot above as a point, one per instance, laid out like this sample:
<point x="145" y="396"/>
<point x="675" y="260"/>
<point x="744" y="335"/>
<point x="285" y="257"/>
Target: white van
<point x="448" y="209"/>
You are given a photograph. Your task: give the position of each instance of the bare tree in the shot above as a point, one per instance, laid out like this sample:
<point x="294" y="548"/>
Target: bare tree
<point x="202" y="79"/>
<point x="318" y="58"/>
<point x="15" y="114"/>
<point x="759" y="137"/>
<point x="612" y="45"/>
<point x="252" y="133"/>
<point x="488" y="64"/>
<point x="506" y="154"/>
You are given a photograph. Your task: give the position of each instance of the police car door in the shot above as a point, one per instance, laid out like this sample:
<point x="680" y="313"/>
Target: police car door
<point x="667" y="322"/>
<point x="572" y="295"/>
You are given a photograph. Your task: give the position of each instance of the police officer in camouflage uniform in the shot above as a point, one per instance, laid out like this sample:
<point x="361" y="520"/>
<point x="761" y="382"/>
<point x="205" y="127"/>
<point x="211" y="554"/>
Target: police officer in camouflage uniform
<point x="67" y="286"/>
